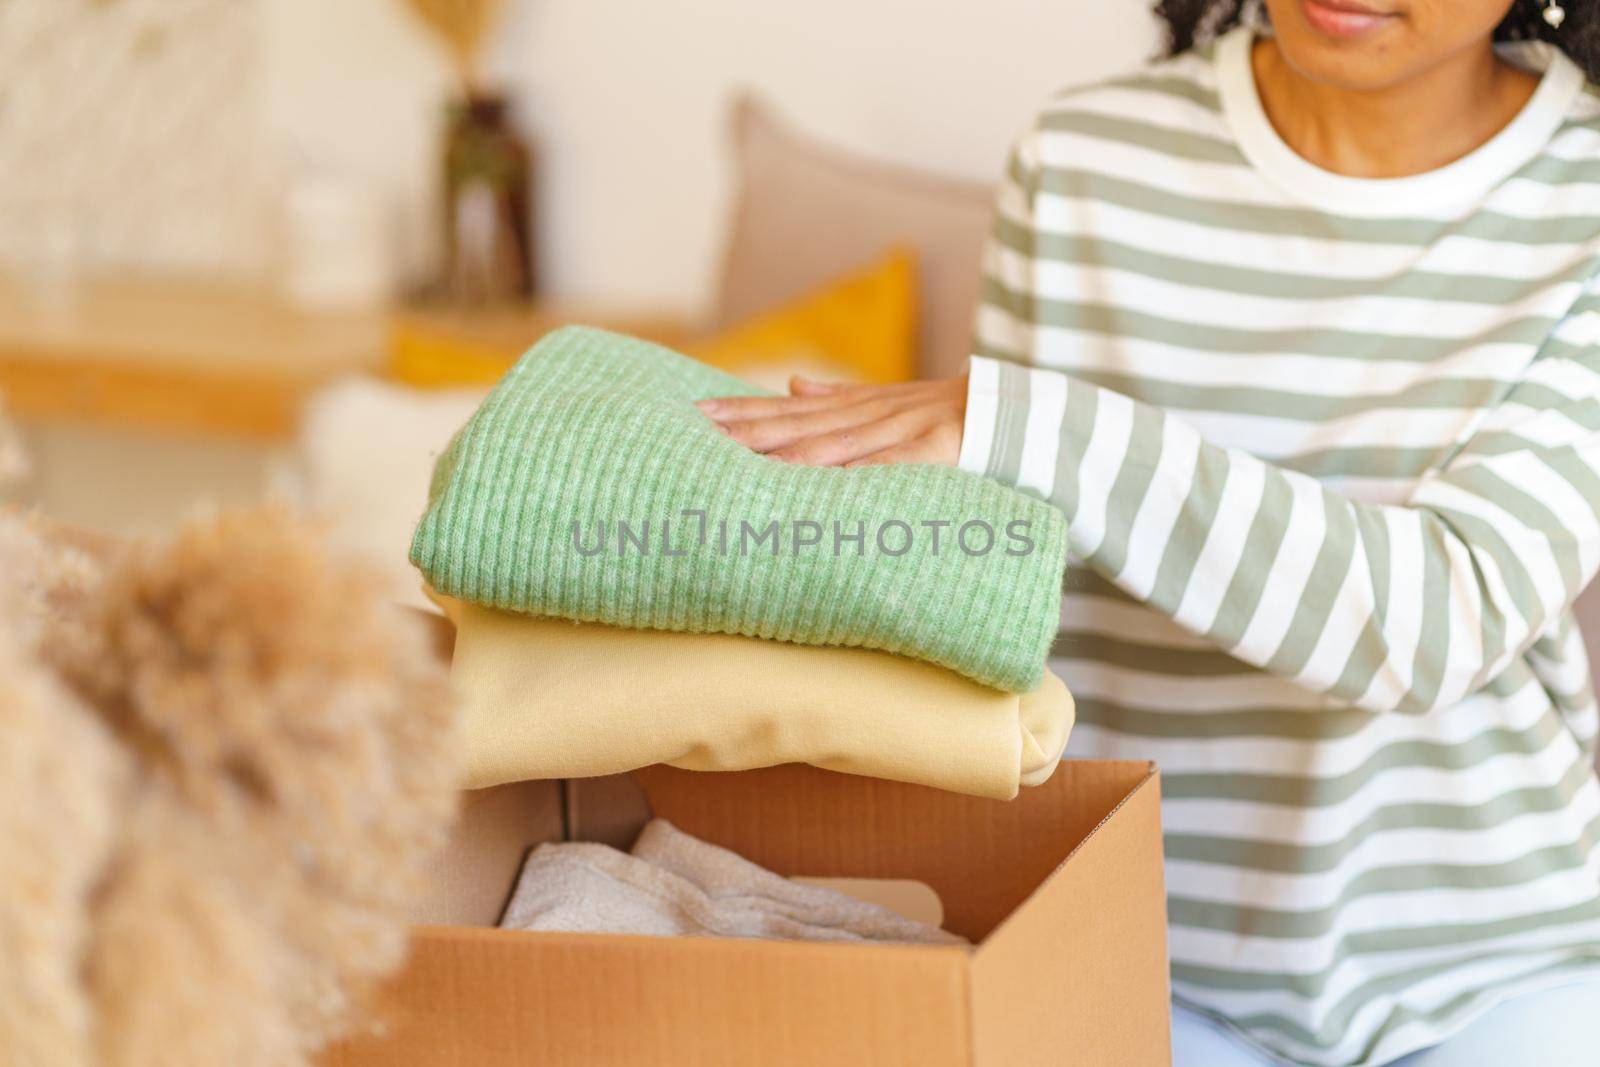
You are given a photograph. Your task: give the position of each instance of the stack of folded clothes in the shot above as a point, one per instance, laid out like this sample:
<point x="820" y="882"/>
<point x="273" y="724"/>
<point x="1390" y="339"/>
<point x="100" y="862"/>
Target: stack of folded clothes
<point x="630" y="586"/>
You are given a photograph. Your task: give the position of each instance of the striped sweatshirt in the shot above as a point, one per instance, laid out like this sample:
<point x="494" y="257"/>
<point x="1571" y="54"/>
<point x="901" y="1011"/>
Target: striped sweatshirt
<point x="1329" y="450"/>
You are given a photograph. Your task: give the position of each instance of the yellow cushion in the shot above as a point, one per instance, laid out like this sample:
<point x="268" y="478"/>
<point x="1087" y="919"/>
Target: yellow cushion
<point x="437" y="359"/>
<point x="860" y="326"/>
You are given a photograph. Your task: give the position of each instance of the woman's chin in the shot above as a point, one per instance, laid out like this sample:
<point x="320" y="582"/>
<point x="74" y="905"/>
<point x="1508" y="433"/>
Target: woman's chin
<point x="1360" y="63"/>
<point x="1373" y="45"/>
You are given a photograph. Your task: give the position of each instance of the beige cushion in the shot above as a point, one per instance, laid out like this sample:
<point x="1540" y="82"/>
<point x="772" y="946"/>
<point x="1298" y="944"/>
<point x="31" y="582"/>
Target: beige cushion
<point x="807" y="212"/>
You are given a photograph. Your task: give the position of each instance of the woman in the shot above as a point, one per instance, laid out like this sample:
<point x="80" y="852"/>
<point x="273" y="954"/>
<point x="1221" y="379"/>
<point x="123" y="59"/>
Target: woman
<point x="1299" y="328"/>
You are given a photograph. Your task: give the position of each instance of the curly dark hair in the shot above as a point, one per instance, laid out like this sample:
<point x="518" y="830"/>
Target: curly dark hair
<point x="1193" y="21"/>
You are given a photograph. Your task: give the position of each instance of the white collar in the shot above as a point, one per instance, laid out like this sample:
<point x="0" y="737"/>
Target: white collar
<point x="1463" y="181"/>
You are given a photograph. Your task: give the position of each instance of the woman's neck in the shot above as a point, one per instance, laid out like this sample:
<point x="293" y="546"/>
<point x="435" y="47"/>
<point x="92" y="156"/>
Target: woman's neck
<point x="1416" y="126"/>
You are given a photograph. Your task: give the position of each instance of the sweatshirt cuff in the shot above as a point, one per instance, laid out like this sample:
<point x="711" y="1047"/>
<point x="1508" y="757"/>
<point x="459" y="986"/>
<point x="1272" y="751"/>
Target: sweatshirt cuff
<point x="996" y="422"/>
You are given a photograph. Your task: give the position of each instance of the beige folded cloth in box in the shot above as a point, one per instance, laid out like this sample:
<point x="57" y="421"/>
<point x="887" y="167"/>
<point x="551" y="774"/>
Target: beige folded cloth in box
<point x="548" y="698"/>
<point x="675" y="885"/>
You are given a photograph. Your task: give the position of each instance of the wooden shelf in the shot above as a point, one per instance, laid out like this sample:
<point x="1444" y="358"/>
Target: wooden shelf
<point x="208" y="360"/>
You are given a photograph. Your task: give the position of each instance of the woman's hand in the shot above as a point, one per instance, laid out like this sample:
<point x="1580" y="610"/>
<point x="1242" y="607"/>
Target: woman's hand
<point x="826" y="424"/>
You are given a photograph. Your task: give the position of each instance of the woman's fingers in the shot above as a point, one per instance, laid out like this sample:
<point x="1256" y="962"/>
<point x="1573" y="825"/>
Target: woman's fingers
<point x="739" y="408"/>
<point x="940" y="445"/>
<point x="802" y="386"/>
<point x="830" y="424"/>
<point x="839" y="447"/>
<point x="808" y="396"/>
<point x="780" y="431"/>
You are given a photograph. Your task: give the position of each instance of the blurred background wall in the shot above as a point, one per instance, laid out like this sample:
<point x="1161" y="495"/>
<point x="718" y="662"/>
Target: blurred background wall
<point x="943" y="84"/>
<point x="130" y="134"/>
<point x="222" y="102"/>
<point x="193" y="194"/>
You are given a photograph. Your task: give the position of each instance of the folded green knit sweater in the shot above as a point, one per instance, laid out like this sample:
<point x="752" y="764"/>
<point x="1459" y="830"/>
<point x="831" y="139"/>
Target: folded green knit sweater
<point x="589" y="487"/>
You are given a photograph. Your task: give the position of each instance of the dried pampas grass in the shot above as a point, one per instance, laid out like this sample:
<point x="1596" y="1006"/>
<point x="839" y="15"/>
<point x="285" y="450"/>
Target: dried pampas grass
<point x="226" y="763"/>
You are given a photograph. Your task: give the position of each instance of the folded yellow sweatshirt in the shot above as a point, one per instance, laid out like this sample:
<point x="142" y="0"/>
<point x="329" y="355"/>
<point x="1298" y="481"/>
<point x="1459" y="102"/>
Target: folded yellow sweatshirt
<point x="549" y="698"/>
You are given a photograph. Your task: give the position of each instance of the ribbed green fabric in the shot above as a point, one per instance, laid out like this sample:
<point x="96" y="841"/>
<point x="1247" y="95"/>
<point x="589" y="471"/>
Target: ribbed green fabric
<point x="591" y="430"/>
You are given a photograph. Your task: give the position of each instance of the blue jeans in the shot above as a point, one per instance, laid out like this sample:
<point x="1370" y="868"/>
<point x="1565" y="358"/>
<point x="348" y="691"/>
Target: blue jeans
<point x="1557" y="1027"/>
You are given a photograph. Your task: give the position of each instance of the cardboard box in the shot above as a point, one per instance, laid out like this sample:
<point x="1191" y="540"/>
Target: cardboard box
<point x="1060" y="891"/>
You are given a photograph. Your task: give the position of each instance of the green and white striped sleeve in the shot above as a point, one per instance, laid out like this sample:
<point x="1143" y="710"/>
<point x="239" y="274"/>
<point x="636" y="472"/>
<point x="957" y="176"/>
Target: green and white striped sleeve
<point x="1386" y="607"/>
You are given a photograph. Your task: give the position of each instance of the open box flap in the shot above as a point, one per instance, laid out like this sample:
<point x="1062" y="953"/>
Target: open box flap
<point x="472" y="876"/>
<point x="983" y="857"/>
<point x="1105" y="902"/>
